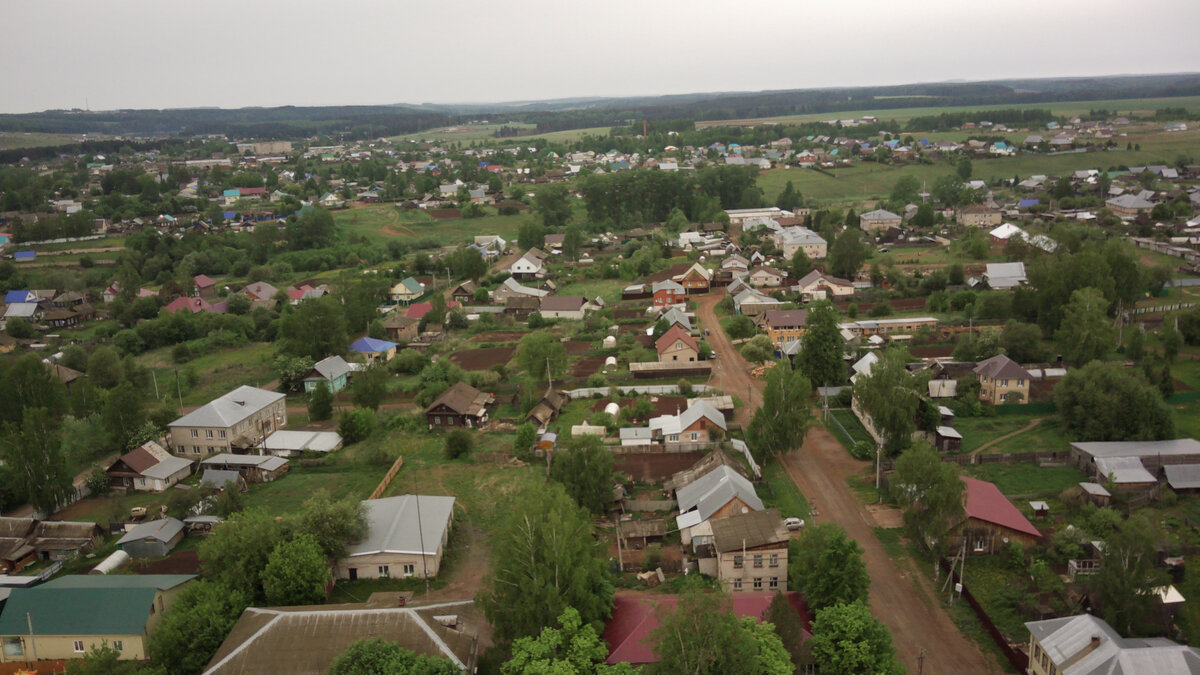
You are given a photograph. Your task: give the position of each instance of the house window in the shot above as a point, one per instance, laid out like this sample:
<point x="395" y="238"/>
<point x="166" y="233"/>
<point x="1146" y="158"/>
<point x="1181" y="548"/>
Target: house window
<point x="78" y="644"/>
<point x="221" y="433"/>
<point x="774" y="583"/>
<point x="737" y="562"/>
<point x="208" y="433"/>
<point x="383" y="571"/>
<point x="695" y="436"/>
<point x="13" y="646"/>
<point x="1003" y="383"/>
<point x="758" y="583"/>
<point x="119" y="645"/>
<point x="437" y="420"/>
<point x="195" y="433"/>
<point x="409" y="569"/>
<point x="195" y="449"/>
<point x="758" y="560"/>
<point x="773" y="560"/>
<point x="737" y="584"/>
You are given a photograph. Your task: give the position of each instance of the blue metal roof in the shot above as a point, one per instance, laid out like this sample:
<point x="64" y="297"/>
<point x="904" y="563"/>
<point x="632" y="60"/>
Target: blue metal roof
<point x="1028" y="202"/>
<point x="16" y="296"/>
<point x="25" y="255"/>
<point x="368" y="344"/>
<point x="232" y="193"/>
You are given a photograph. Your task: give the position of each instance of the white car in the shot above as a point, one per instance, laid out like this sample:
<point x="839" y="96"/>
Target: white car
<point x="793" y="523"/>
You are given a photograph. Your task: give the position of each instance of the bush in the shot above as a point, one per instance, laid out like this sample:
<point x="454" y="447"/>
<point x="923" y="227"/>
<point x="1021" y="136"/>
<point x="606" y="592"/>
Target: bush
<point x="880" y="309"/>
<point x="852" y="310"/>
<point x="358" y="424"/>
<point x="653" y="557"/>
<point x="458" y="444"/>
<point x="685" y="387"/>
<point x="863" y="450"/>
<point x="97" y="481"/>
<point x="596" y="381"/>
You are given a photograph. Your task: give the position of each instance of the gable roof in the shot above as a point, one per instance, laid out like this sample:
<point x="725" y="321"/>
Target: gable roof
<point x="675" y="333"/>
<point x="331" y="368"/>
<point x="815" y="276"/>
<point x="67" y="605"/>
<point x="370" y="345"/>
<point x="162" y="530"/>
<point x="745" y="530"/>
<point x="984" y="501"/>
<point x="516" y="287"/>
<point x="879" y="214"/>
<point x="260" y="290"/>
<point x="787" y="317"/>
<point x="392" y="525"/>
<point x="227" y="410"/>
<point x="715" y="489"/>
<point x="563" y="303"/>
<point x="462" y="398"/>
<point x="1002" y="367"/>
<point x="1068" y="641"/>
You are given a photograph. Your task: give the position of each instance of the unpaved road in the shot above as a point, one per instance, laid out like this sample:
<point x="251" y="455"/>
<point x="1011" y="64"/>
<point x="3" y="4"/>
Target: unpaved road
<point x="902" y="600"/>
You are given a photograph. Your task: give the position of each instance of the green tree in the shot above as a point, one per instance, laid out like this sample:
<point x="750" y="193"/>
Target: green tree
<point x="702" y="636"/>
<point x="358" y="425"/>
<point x="195" y="626"/>
<point x="296" y="572"/>
<point x="781" y="421"/>
<point x="801" y="265"/>
<point x="531" y="235"/>
<point x="788" y="627"/>
<point x="930" y="493"/>
<point x="924" y="217"/>
<point x="320" y="402"/>
<point x="1106" y="402"/>
<point x="891" y="397"/>
<point x="1171" y="339"/>
<point x="1085" y="334"/>
<point x="369" y="387"/>
<point x="28" y="383"/>
<point x="1022" y="342"/>
<point x="964" y="168"/>
<point x="758" y="349"/>
<point x="540" y="350"/>
<point x="572" y="242"/>
<point x="33" y="454"/>
<point x="572" y="648"/>
<point x="20" y="328"/>
<point x="376" y="656"/>
<point x="523" y="442"/>
<point x="821" y="349"/>
<point x="740" y="327"/>
<point x="291" y="371"/>
<point x="315" y="328"/>
<point x="847" y="253"/>
<point x="238" y="304"/>
<point x="236" y="553"/>
<point x="315" y="229"/>
<point x="828" y="567"/>
<point x="333" y="523"/>
<point x="906" y="190"/>
<point x="545" y="558"/>
<point x="122" y="416"/>
<point x="790" y="198"/>
<point x="1128" y="576"/>
<point x="1135" y="349"/>
<point x="552" y="204"/>
<point x="584" y="468"/>
<point x="104" y="660"/>
<point x="847" y="640"/>
<point x="104" y="368"/>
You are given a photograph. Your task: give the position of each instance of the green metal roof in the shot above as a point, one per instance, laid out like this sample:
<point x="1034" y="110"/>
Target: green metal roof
<point x="77" y="611"/>
<point x="158" y="581"/>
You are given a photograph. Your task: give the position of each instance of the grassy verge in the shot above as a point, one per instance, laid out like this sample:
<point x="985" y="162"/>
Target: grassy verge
<point x="778" y="490"/>
<point x="1027" y="479"/>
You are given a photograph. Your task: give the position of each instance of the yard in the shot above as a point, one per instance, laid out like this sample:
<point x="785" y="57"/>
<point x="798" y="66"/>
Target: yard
<point x="1027" y="480"/>
<point x="216" y="373"/>
<point x="977" y="431"/>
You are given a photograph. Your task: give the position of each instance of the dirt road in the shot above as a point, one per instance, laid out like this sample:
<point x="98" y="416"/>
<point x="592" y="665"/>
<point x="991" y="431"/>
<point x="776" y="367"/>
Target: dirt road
<point x="902" y="600"/>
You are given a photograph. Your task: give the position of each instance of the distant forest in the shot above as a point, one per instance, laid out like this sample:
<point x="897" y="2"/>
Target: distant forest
<point x="363" y="122"/>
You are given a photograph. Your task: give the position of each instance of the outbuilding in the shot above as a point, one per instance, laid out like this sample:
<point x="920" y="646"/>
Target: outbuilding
<point x="153" y="539"/>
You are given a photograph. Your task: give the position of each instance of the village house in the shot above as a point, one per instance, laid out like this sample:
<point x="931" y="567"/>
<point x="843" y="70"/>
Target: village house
<point x="152" y="539"/>
<point x="459" y="406"/>
<point x="676" y="346"/>
<point x="529" y="266"/>
<point x="750" y="302"/>
<point x="878" y="219"/>
<point x="696" y="424"/>
<point x="240" y="419"/>
<point x="720" y="492"/>
<point x="407" y="291"/>
<point x="1002" y="380"/>
<point x="903" y="326"/>
<point x="563" y="307"/>
<point x="60" y="539"/>
<point x="785" y="325"/>
<point x="766" y="277"/>
<point x="253" y="468"/>
<point x="1128" y="206"/>
<point x="1085" y="644"/>
<point x="510" y="288"/>
<point x="695" y="279"/>
<point x="792" y="239"/>
<point x="400" y="328"/>
<point x="979" y="215"/>
<point x="1005" y="276"/>
<point x="751" y="551"/>
<point x="148" y="467"/>
<point x="817" y="285"/>
<point x="59" y="619"/>
<point x="374" y="351"/>
<point x="464" y="292"/>
<point x="990" y="522"/>
<point x="404" y="539"/>
<point x="1128" y="464"/>
<point x="203" y="286"/>
<point x="667" y="293"/>
<point x="332" y="370"/>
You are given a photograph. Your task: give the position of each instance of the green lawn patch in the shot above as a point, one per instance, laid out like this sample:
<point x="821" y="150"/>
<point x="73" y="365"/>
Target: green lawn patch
<point x="1027" y="479"/>
<point x="217" y="373"/>
<point x="849" y="426"/>
<point x="778" y="490"/>
<point x="979" y="430"/>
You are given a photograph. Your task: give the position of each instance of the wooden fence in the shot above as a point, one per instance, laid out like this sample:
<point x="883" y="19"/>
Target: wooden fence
<point x="1017" y="658"/>
<point x="649" y="505"/>
<point x="387" y="478"/>
<point x="663" y="448"/>
<point x="1058" y="457"/>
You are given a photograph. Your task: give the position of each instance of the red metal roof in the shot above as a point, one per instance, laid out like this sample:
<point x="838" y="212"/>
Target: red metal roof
<point x="633" y="619"/>
<point x="203" y="281"/>
<point x="985" y="502"/>
<point x="418" y="310"/>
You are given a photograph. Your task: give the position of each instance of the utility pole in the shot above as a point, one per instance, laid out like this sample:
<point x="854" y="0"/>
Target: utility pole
<point x="155" y="378"/>
<point x="421" y="535"/>
<point x="179" y="391"/>
<point x="32" y="644"/>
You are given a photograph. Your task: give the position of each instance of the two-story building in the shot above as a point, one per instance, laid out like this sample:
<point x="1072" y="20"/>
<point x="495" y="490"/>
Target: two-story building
<point x="785" y="325"/>
<point x="529" y="266"/>
<point x="878" y="219"/>
<point x="694" y="425"/>
<point x="1002" y="380"/>
<point x="696" y="279"/>
<point x="240" y="419"/>
<point x="407" y="291"/>
<point x="796" y="238"/>
<point x="676" y="346"/>
<point x="751" y="551"/>
<point x="979" y="215"/>
<point x="667" y="293"/>
<point x="1085" y="644"/>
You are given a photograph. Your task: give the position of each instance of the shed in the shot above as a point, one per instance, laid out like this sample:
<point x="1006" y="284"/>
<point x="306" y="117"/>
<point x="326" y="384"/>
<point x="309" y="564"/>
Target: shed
<point x="153" y="539"/>
<point x="1040" y="509"/>
<point x="610" y="363"/>
<point x="217" y="479"/>
<point x="1096" y="493"/>
<point x="1183" y="477"/>
<point x="947" y="439"/>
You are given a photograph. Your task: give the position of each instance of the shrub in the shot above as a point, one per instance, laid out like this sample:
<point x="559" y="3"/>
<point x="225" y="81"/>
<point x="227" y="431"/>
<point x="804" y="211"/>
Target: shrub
<point x="653" y="557"/>
<point x="358" y="424"/>
<point x="458" y="444"/>
<point x="685" y="387"/>
<point x="863" y="450"/>
<point x="880" y="309"/>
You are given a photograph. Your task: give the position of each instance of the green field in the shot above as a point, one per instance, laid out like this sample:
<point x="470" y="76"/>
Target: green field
<point x="483" y="132"/>
<point x="609" y="289"/>
<point x="385" y="222"/>
<point x="11" y="140"/>
<point x="217" y="373"/>
<point x="1027" y="479"/>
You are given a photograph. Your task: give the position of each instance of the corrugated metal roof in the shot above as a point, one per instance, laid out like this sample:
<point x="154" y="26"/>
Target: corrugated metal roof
<point x="229" y="409"/>
<point x="715" y="489"/>
<point x="392" y="525"/>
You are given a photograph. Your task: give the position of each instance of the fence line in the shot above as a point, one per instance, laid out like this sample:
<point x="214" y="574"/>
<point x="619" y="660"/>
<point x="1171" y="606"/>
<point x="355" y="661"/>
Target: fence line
<point x="1018" y="659"/>
<point x="387" y="479"/>
<point x="654" y="389"/>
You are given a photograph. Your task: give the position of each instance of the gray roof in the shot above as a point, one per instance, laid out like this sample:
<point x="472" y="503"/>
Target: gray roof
<point x="1123" y="470"/>
<point x="524" y="290"/>
<point x="331" y="368"/>
<point x="320" y="441"/>
<point x="1171" y="448"/>
<point x="799" y="236"/>
<point x="219" y="478"/>
<point x="167" y="467"/>
<point x="392" y="525"/>
<point x="21" y="310"/>
<point x="676" y="315"/>
<point x="1129" y="201"/>
<point x="264" y="462"/>
<point x="747" y="530"/>
<point x="666" y="284"/>
<point x="1095" y="489"/>
<point x="228" y="410"/>
<point x="163" y="530"/>
<point x="1068" y="640"/>
<point x="1183" y="476"/>
<point x="1005" y="275"/>
<point x="714" y="490"/>
<point x="879" y="214"/>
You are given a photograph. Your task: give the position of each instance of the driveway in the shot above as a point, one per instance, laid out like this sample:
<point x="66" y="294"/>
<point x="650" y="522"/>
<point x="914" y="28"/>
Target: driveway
<point x="903" y="600"/>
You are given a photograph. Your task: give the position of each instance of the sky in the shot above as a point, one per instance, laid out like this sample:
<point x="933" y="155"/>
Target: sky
<point x="231" y="54"/>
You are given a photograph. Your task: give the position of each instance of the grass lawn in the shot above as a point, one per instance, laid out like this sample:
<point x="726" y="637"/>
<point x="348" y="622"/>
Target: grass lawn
<point x="850" y="424"/>
<point x="483" y="132"/>
<point x="1045" y="437"/>
<point x="11" y="140"/>
<point x="609" y="289"/>
<point x="218" y="373"/>
<point x="1187" y="419"/>
<point x="1027" y="479"/>
<point x="385" y="221"/>
<point x="979" y="430"/>
<point x="778" y="490"/>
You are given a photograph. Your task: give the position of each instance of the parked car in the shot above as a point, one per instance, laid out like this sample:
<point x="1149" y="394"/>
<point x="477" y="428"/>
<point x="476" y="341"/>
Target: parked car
<point x="793" y="523"/>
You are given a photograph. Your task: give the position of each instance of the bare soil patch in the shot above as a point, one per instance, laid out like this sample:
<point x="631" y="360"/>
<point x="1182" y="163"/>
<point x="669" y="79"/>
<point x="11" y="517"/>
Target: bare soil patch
<point x="577" y="348"/>
<point x="653" y="467"/>
<point x="482" y="359"/>
<point x="183" y="562"/>
<point x="499" y="336"/>
<point x="587" y="365"/>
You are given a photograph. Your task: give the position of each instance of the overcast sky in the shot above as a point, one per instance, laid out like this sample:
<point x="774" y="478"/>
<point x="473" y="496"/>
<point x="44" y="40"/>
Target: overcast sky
<point x="170" y="54"/>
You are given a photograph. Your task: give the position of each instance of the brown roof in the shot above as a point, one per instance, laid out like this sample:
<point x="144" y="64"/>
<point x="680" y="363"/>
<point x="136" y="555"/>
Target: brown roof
<point x="1002" y="367"/>
<point x="67" y="375"/>
<point x="15" y="527"/>
<point x="139" y="459"/>
<point x="398" y="320"/>
<point x="712" y="460"/>
<point x="562" y="303"/>
<point x="787" y="318"/>
<point x="530" y="302"/>
<point x="673" y="334"/>
<point x="748" y="530"/>
<point x="462" y="398"/>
